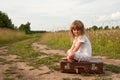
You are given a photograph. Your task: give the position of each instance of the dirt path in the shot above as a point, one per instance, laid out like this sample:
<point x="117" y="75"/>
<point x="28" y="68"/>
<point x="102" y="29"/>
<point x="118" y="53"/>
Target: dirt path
<point x="46" y="49"/>
<point x="11" y="67"/>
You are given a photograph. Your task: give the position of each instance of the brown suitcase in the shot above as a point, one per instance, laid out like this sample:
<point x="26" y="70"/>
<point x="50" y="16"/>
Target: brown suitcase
<point x="95" y="65"/>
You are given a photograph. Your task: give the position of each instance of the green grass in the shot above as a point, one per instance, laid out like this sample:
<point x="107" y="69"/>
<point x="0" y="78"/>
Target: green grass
<point x="19" y="76"/>
<point x="54" y="67"/>
<point x="25" y="52"/>
<point x="76" y="79"/>
<point x="10" y="71"/>
<point x="106" y="67"/>
<point x="49" y="61"/>
<point x="66" y="78"/>
<point x="103" y="78"/>
<point x="56" y="40"/>
<point x="24" y="49"/>
<point x="104" y="42"/>
<point x="9" y="36"/>
<point x="4" y="61"/>
<point x="8" y="79"/>
<point x="71" y="79"/>
<point x="112" y="68"/>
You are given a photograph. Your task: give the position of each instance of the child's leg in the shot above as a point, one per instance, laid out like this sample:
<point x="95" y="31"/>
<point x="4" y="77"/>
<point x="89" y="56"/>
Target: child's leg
<point x="81" y="57"/>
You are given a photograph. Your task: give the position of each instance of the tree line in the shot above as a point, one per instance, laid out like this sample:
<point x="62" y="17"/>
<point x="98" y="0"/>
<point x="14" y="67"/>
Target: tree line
<point x="6" y="22"/>
<point x="103" y="27"/>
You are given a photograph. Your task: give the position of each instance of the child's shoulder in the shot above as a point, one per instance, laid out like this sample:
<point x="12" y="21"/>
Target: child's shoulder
<point x="81" y="36"/>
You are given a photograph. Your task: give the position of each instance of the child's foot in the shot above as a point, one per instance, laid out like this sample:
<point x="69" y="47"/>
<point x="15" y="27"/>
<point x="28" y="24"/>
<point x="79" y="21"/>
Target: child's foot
<point x="70" y="60"/>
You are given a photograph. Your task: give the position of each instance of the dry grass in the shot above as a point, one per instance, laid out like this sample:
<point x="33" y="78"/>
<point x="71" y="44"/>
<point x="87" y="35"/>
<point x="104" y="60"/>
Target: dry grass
<point x="57" y="40"/>
<point x="104" y="42"/>
<point x="8" y="35"/>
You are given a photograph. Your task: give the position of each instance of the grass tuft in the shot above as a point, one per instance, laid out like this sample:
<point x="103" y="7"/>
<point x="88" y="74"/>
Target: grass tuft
<point x="112" y="68"/>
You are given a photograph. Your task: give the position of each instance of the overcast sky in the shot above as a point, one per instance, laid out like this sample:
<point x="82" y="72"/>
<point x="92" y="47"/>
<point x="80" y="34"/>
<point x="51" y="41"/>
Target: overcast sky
<point x="59" y="14"/>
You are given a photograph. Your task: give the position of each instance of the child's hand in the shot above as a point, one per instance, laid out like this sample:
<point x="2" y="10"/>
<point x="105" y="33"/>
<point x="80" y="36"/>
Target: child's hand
<point x="70" y="57"/>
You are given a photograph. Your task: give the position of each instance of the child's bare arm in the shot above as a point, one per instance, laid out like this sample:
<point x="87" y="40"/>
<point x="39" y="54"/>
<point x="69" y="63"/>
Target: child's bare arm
<point x="72" y="47"/>
<point x="77" y="47"/>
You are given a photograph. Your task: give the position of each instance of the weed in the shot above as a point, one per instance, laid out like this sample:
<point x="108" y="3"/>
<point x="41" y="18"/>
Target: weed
<point x="19" y="76"/>
<point x="112" y="68"/>
<point x="66" y="78"/>
<point x="8" y="79"/>
<point x="4" y="61"/>
<point x="10" y="71"/>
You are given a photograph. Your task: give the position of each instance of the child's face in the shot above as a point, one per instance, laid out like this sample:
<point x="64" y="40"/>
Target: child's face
<point x="76" y="32"/>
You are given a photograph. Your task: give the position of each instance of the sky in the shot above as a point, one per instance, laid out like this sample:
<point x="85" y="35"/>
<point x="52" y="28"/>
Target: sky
<point x="52" y="15"/>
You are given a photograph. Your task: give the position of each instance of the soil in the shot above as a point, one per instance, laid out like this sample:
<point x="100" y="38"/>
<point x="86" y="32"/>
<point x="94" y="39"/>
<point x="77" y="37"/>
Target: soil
<point x="22" y="71"/>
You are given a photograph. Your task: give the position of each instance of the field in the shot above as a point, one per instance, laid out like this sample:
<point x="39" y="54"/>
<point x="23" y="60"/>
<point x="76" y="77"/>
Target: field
<point x="9" y="36"/>
<point x="104" y="42"/>
<point x="37" y="56"/>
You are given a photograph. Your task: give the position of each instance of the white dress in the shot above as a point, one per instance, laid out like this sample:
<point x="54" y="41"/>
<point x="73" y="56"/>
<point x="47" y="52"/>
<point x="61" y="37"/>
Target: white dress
<point x="85" y="50"/>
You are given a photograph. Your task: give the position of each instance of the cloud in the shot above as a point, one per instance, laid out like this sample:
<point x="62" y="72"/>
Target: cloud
<point x="102" y="18"/>
<point x="113" y="16"/>
<point x="45" y="7"/>
<point x="51" y="13"/>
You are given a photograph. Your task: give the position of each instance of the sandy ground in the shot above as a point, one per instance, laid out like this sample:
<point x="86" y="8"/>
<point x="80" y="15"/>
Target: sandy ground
<point x="22" y="71"/>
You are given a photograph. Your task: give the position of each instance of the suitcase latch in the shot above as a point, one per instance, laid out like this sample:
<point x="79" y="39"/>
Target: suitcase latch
<point x="76" y="70"/>
<point x="94" y="67"/>
<point x="67" y="66"/>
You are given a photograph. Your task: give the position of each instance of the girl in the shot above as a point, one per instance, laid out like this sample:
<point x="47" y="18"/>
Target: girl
<point x="81" y="47"/>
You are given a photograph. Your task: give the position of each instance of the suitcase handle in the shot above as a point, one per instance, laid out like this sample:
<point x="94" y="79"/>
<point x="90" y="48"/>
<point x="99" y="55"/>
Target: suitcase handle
<point x="79" y="67"/>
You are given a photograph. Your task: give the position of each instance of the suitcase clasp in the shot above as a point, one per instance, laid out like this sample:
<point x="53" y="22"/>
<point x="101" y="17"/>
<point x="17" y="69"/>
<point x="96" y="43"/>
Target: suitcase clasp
<point x="80" y="67"/>
<point x="67" y="66"/>
<point x="76" y="70"/>
<point x="94" y="67"/>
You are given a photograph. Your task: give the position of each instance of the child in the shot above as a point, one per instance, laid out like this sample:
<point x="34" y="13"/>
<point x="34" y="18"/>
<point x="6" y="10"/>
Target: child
<point x="81" y="47"/>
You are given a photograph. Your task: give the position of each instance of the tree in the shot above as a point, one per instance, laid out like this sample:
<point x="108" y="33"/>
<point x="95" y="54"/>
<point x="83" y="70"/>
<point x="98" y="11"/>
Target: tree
<point x="5" y="22"/>
<point x="100" y="28"/>
<point x="94" y="27"/>
<point x="25" y="27"/>
<point x="117" y="27"/>
<point x="106" y="27"/>
<point x="113" y="27"/>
